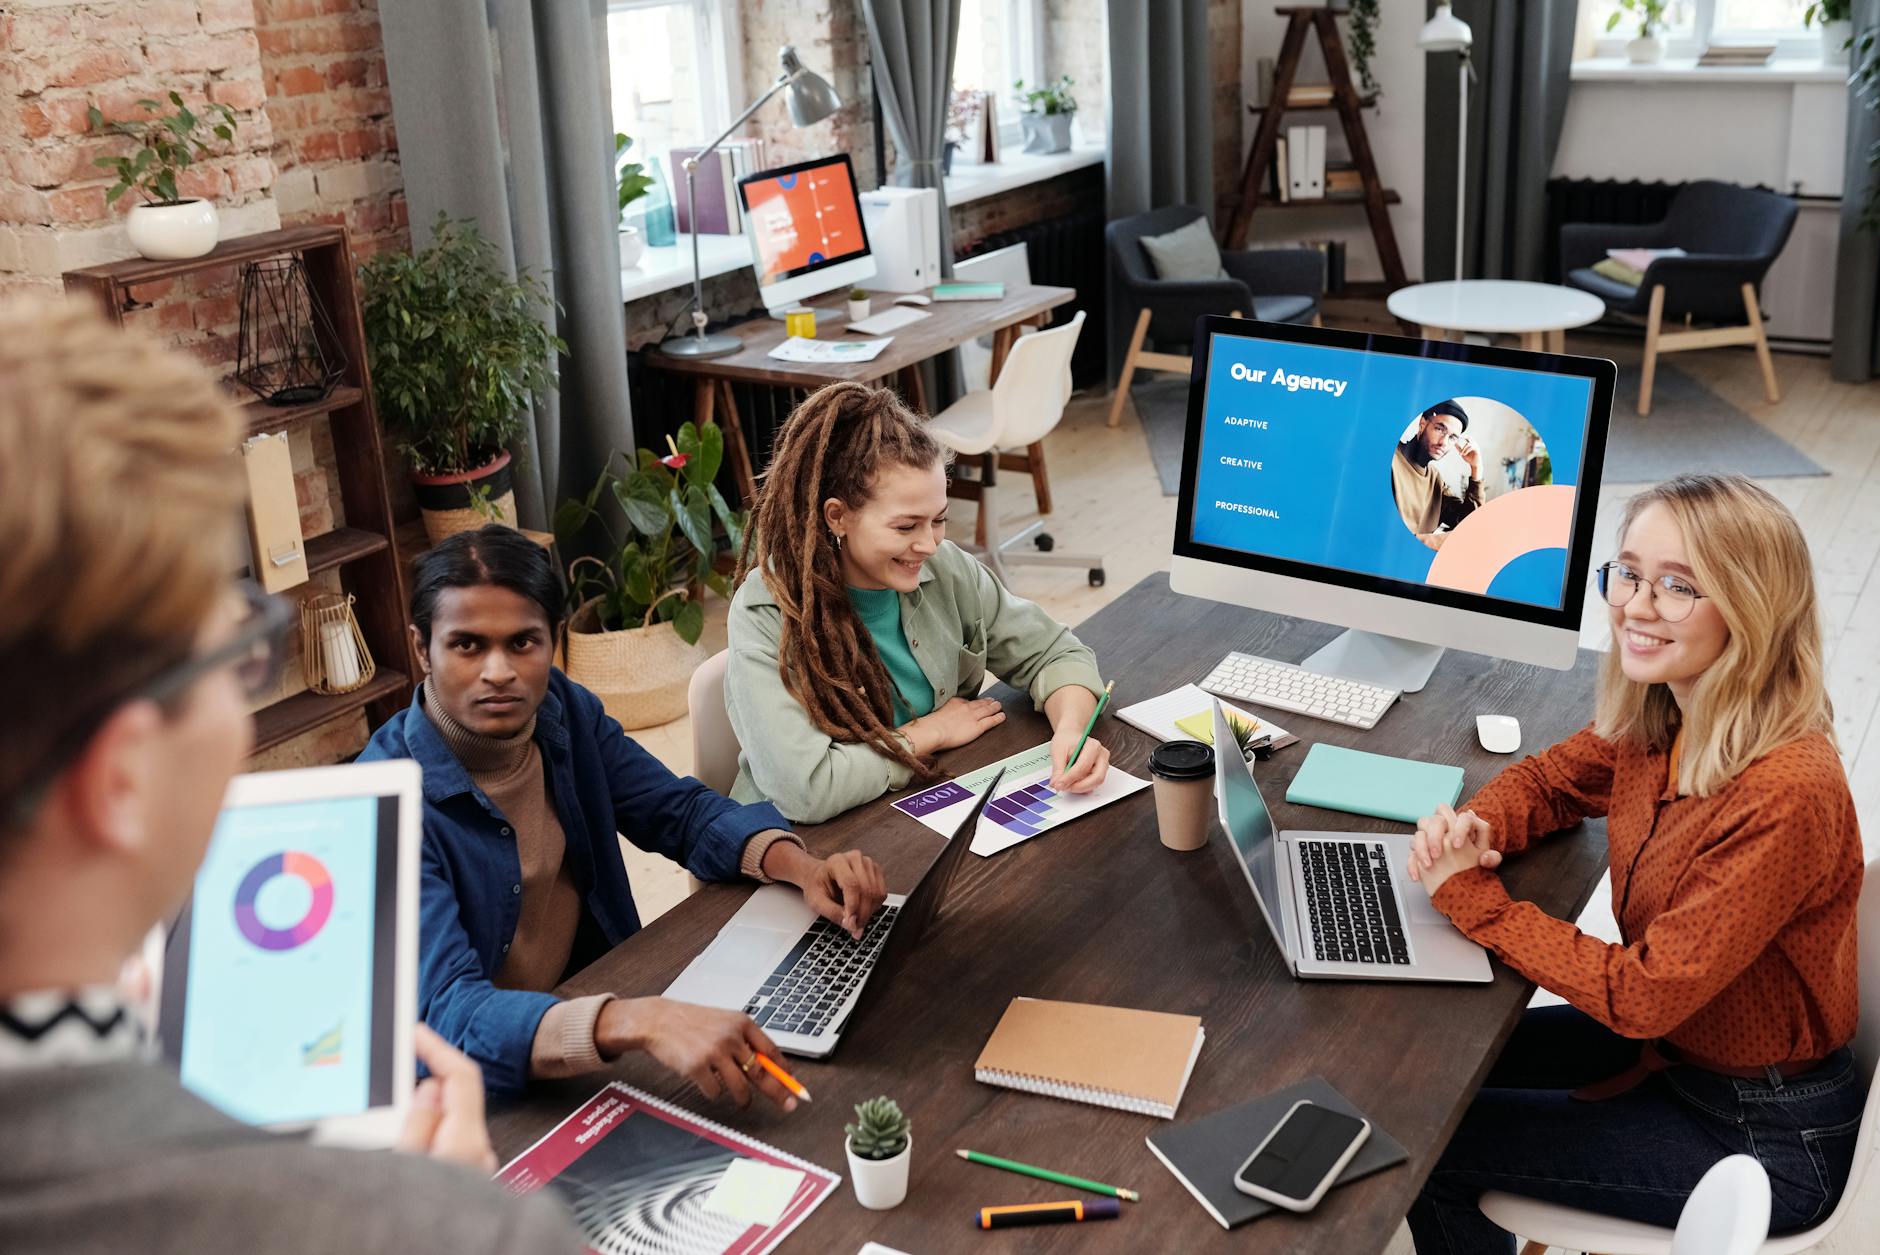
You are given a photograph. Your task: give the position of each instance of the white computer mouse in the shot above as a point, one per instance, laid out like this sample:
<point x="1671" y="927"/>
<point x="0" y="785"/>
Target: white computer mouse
<point x="1499" y="734"/>
<point x="914" y="298"/>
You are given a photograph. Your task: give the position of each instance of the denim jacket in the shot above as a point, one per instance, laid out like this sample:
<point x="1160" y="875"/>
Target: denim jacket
<point x="470" y="894"/>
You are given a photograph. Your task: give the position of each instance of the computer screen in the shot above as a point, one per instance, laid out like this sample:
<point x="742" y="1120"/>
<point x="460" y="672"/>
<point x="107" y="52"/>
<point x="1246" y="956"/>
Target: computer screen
<point x="1445" y="473"/>
<point x="286" y="957"/>
<point x="803" y="217"/>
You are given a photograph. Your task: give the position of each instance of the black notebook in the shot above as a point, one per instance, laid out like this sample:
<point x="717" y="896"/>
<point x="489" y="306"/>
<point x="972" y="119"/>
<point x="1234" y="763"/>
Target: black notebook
<point x="1205" y="1154"/>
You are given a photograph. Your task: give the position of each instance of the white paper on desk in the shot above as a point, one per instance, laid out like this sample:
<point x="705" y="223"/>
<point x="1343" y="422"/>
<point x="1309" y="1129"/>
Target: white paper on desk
<point x="1026" y="805"/>
<point x="754" y="1192"/>
<point x="876" y="1248"/>
<point x="1190" y="704"/>
<point x="801" y="349"/>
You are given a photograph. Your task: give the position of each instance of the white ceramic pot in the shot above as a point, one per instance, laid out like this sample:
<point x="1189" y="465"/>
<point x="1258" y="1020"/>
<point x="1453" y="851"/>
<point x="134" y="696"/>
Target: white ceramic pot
<point x="1834" y="37"/>
<point x="168" y="232"/>
<point x="880" y="1183"/>
<point x="1645" y="50"/>
<point x="632" y="247"/>
<point x="1046" y="132"/>
<point x="858" y="310"/>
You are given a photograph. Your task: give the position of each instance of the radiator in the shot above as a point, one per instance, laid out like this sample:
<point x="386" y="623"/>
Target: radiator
<point x="1599" y="200"/>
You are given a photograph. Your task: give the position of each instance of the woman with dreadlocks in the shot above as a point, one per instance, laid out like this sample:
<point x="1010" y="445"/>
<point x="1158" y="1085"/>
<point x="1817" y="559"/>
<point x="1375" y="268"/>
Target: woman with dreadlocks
<point x="859" y="635"/>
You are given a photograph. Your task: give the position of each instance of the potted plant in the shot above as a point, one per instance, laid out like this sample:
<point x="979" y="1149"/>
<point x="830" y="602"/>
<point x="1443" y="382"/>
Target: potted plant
<point x="1045" y="115"/>
<point x="633" y="183"/>
<point x="1836" y="19"/>
<point x="636" y="621"/>
<point x="1648" y="48"/>
<point x="858" y="304"/>
<point x="880" y="1145"/>
<point x="1364" y="18"/>
<point x="457" y="349"/>
<point x="166" y="225"/>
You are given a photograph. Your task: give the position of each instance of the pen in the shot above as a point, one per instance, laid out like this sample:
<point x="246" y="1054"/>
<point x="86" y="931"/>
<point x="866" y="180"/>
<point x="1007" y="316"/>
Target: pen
<point x="1045" y="1174"/>
<point x="789" y="1082"/>
<point x="1048" y="1213"/>
<point x="1101" y="703"/>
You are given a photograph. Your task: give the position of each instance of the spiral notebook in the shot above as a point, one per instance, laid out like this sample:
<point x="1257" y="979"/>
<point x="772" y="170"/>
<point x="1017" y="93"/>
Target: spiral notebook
<point x="1136" y="1061"/>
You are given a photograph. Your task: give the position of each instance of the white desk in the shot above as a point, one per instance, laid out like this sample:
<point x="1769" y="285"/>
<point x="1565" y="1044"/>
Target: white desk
<point x="1539" y="313"/>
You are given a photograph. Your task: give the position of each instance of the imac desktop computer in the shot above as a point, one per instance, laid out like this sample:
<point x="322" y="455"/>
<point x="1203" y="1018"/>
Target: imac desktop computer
<point x="1420" y="494"/>
<point x="805" y="224"/>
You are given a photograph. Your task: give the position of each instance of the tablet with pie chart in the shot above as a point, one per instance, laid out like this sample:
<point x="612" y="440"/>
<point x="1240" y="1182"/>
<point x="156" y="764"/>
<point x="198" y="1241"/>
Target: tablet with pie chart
<point x="289" y="984"/>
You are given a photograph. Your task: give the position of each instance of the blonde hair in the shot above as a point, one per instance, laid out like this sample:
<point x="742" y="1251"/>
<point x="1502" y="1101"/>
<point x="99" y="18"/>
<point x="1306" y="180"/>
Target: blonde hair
<point x="119" y="489"/>
<point x="1748" y="556"/>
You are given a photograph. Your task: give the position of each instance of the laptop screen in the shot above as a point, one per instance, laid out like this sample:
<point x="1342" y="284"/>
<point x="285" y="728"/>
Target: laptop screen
<point x="1248" y="824"/>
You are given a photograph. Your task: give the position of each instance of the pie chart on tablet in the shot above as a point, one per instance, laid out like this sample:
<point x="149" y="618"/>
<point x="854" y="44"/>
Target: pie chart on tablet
<point x="315" y="890"/>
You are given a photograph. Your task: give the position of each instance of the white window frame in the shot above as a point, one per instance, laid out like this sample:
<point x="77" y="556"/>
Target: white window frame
<point x="721" y="63"/>
<point x="1790" y="44"/>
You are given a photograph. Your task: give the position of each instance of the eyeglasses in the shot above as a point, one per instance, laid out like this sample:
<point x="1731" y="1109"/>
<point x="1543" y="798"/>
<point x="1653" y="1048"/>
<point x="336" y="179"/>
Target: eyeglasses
<point x="1672" y="598"/>
<point x="255" y="653"/>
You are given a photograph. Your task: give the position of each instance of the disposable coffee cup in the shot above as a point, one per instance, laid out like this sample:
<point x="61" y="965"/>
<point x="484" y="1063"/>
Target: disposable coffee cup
<point x="1183" y="773"/>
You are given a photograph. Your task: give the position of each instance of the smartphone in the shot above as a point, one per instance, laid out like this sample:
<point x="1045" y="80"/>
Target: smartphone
<point x="1298" y="1161"/>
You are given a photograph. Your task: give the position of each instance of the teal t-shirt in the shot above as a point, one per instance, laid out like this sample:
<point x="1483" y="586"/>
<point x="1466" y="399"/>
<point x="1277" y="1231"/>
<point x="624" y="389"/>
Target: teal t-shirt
<point x="880" y="611"/>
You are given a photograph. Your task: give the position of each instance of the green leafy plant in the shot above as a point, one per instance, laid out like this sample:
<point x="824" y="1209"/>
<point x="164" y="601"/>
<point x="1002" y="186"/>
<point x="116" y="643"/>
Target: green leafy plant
<point x="167" y="145"/>
<point x="1650" y="15"/>
<point x="880" y="1130"/>
<point x="1247" y="736"/>
<point x="480" y="502"/>
<point x="1821" y="12"/>
<point x="631" y="176"/>
<point x="1364" y="19"/>
<point x="652" y="572"/>
<point x="1053" y="98"/>
<point x="457" y="348"/>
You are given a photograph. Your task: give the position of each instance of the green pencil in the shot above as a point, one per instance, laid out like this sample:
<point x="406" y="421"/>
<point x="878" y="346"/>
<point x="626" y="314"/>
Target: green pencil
<point x="1045" y="1174"/>
<point x="1101" y="703"/>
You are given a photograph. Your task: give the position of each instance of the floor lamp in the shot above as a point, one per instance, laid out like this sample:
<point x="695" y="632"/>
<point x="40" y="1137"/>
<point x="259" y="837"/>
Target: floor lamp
<point x="1448" y="33"/>
<point x="810" y="100"/>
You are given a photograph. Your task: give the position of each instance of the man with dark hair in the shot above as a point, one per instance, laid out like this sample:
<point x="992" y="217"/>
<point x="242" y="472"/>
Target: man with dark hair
<point x="527" y="781"/>
<point x="1424" y="502"/>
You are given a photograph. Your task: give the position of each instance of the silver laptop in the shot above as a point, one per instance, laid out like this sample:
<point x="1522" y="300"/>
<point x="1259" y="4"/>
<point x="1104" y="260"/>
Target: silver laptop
<point x="800" y="976"/>
<point x="1340" y="905"/>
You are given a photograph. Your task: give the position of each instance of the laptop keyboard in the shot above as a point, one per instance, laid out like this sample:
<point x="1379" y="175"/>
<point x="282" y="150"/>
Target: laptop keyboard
<point x="1351" y="908"/>
<point x="816" y="978"/>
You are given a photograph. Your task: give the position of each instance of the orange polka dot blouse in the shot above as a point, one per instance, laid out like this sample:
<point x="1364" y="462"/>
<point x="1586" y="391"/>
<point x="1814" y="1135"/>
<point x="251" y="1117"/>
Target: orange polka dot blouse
<point x="1737" y="910"/>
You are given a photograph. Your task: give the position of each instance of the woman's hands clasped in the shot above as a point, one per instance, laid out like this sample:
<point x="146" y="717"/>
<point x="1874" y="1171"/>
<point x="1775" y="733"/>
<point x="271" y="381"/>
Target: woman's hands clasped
<point x="1448" y="842"/>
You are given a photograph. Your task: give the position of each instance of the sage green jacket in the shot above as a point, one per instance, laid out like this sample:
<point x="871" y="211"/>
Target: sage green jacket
<point x="960" y="623"/>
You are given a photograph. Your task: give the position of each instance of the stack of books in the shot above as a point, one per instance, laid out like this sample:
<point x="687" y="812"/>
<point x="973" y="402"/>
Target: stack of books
<point x="1343" y="179"/>
<point x="1737" y="54"/>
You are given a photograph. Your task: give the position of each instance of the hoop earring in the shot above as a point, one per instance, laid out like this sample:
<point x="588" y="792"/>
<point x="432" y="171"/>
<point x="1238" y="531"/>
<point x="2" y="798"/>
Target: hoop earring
<point x="837" y="538"/>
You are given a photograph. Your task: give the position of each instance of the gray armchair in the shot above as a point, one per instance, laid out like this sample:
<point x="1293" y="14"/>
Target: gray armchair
<point x="1731" y="236"/>
<point x="1270" y="284"/>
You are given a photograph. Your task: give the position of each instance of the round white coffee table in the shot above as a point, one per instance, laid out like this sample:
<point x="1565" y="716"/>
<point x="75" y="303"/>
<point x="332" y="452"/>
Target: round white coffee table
<point x="1539" y="313"/>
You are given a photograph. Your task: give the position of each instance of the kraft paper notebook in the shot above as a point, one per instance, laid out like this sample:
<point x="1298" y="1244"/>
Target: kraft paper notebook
<point x="1373" y="784"/>
<point x="1205" y="1154"/>
<point x="1136" y="1061"/>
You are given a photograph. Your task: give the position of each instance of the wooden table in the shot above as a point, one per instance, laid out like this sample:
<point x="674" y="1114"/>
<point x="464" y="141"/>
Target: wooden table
<point x="1101" y="912"/>
<point x="949" y="324"/>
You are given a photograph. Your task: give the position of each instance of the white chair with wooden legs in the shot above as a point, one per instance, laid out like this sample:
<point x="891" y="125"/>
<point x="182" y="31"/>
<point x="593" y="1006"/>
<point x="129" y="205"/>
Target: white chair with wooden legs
<point x="1570" y="1229"/>
<point x="1024" y="403"/>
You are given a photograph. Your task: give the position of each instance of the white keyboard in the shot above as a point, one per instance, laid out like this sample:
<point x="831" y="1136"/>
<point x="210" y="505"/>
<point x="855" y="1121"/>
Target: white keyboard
<point x="890" y="319"/>
<point x="1263" y="682"/>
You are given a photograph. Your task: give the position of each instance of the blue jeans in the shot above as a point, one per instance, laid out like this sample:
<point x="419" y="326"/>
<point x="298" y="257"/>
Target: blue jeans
<point x="1637" y="1155"/>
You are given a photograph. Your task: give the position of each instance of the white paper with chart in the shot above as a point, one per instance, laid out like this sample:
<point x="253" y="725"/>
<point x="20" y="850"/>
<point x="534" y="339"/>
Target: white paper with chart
<point x="1026" y="804"/>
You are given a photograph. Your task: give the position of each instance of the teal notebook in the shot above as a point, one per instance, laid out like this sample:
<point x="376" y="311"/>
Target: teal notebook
<point x="968" y="291"/>
<point x="1373" y="784"/>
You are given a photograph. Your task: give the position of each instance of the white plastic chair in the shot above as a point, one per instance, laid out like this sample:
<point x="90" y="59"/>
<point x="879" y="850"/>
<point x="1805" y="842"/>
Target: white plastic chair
<point x="1549" y="1224"/>
<point x="1728" y="1212"/>
<point x="1018" y="410"/>
<point x="714" y="741"/>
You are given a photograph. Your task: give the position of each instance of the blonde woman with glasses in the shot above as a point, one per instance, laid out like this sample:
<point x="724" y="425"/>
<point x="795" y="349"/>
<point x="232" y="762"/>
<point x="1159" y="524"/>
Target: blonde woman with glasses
<point x="1719" y="1023"/>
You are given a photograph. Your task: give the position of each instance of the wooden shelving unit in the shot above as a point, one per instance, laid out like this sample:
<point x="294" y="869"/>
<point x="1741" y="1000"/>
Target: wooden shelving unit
<point x="365" y="550"/>
<point x="1375" y="198"/>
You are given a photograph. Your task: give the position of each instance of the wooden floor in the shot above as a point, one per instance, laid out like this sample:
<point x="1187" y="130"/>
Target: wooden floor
<point x="1108" y="500"/>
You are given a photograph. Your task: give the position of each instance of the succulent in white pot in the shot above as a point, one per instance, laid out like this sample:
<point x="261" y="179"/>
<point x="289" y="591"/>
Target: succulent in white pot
<point x="166" y="225"/>
<point x="880" y="1146"/>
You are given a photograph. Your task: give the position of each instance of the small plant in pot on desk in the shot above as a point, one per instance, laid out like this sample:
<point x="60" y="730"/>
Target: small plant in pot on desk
<point x="858" y="304"/>
<point x="167" y="226"/>
<point x="1046" y="117"/>
<point x="880" y="1145"/>
<point x="458" y="350"/>
<point x="637" y="618"/>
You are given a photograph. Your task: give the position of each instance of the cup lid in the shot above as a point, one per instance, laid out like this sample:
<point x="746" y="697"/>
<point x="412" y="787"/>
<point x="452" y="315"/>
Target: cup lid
<point x="1182" y="760"/>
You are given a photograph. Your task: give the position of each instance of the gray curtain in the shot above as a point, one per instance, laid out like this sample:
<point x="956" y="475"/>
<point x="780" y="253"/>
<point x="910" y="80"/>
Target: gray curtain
<point x="1161" y="149"/>
<point x="502" y="115"/>
<point x="1856" y="352"/>
<point x="1517" y="107"/>
<point x="910" y="45"/>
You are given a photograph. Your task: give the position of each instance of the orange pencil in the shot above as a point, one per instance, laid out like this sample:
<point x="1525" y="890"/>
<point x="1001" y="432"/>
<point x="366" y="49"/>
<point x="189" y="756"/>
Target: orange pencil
<point x="789" y="1082"/>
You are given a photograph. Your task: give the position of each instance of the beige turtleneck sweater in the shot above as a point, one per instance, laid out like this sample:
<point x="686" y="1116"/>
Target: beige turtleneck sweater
<point x="510" y="773"/>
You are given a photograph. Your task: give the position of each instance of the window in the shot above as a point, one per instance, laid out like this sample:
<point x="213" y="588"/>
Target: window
<point x="673" y="71"/>
<point x="1691" y="25"/>
<point x="1001" y="41"/>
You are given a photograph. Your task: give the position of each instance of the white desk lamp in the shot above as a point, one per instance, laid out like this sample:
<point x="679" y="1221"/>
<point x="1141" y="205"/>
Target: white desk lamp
<point x="1448" y="33"/>
<point x="810" y="99"/>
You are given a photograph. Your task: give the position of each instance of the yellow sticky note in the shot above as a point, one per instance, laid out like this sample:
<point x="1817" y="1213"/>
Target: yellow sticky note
<point x="754" y="1192"/>
<point x="1201" y="726"/>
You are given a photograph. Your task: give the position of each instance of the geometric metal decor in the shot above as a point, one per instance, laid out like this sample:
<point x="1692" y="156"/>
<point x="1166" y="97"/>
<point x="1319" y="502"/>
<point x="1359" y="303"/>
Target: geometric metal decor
<point x="289" y="353"/>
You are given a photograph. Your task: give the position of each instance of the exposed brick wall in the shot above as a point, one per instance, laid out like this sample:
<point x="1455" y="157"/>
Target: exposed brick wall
<point x="832" y="39"/>
<point x="1035" y="202"/>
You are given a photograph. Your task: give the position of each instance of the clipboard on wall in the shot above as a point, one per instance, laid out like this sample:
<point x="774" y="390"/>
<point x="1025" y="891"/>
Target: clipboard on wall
<point x="280" y="552"/>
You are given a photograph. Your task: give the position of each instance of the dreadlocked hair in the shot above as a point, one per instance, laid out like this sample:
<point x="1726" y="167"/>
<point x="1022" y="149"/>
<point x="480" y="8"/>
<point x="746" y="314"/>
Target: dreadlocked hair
<point x="833" y="445"/>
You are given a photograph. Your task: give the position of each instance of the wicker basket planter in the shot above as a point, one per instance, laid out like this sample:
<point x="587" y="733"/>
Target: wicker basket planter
<point x="639" y="674"/>
<point x="448" y="507"/>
